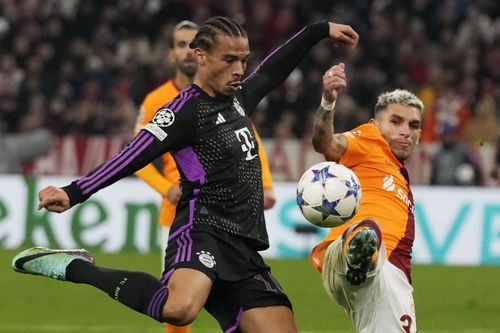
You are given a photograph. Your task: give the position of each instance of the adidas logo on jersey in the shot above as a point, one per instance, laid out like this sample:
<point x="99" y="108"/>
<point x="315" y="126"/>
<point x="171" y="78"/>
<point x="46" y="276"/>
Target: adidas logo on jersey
<point x="220" y="119"/>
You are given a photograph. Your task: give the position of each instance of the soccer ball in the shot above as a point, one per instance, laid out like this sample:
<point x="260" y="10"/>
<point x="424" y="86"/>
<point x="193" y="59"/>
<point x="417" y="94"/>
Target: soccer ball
<point x="328" y="194"/>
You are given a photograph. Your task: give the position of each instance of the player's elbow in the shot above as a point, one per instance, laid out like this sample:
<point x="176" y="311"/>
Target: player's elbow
<point x="330" y="151"/>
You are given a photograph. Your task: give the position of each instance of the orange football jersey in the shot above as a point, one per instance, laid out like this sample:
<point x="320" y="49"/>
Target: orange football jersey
<point x="386" y="195"/>
<point x="162" y="182"/>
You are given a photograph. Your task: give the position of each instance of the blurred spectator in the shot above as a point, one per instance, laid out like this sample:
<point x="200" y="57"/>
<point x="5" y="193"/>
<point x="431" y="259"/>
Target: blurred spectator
<point x="122" y="112"/>
<point x="286" y="126"/>
<point x="483" y="126"/>
<point x="11" y="78"/>
<point x="448" y="109"/>
<point x="452" y="164"/>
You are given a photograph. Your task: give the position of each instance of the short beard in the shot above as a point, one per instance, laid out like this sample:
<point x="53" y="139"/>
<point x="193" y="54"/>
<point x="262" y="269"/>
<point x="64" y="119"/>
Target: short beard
<point x="187" y="70"/>
<point x="402" y="160"/>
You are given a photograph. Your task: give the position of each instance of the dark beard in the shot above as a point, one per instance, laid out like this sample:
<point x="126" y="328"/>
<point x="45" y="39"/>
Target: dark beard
<point x="189" y="71"/>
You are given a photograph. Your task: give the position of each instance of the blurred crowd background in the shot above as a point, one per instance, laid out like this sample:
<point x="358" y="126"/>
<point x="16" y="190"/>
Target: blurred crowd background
<point x="82" y="67"/>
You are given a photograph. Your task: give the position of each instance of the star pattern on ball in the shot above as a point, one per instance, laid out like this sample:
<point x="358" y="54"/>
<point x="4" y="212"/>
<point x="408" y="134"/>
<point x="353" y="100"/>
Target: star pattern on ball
<point x="352" y="188"/>
<point x="300" y="198"/>
<point x="322" y="175"/>
<point x="328" y="208"/>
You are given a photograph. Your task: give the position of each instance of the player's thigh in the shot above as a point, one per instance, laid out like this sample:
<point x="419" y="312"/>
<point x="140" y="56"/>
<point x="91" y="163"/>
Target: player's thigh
<point x="278" y="318"/>
<point x="188" y="290"/>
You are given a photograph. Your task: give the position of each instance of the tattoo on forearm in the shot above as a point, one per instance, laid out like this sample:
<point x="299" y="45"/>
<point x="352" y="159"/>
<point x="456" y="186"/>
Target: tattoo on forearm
<point x="324" y="114"/>
<point x="323" y="127"/>
<point x="318" y="136"/>
<point x="323" y="118"/>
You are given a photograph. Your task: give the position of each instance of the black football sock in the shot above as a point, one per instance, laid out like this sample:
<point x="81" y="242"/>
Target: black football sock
<point x="139" y="291"/>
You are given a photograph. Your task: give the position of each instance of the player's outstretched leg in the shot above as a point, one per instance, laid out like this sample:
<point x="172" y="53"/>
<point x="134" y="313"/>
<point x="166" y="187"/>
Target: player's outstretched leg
<point x="137" y="290"/>
<point x="360" y="248"/>
<point x="48" y="262"/>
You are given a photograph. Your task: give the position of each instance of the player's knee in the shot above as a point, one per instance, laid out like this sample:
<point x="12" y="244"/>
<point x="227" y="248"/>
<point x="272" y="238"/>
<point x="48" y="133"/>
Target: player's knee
<point x="182" y="313"/>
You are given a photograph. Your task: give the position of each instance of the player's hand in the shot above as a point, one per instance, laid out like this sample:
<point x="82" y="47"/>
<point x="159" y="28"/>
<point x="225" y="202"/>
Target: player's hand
<point x="343" y="35"/>
<point x="53" y="199"/>
<point x="333" y="81"/>
<point x="174" y="194"/>
<point x="269" y="198"/>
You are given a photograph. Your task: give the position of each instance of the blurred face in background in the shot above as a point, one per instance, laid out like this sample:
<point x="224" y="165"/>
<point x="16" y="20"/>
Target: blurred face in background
<point x="400" y="125"/>
<point x="181" y="55"/>
<point x="222" y="67"/>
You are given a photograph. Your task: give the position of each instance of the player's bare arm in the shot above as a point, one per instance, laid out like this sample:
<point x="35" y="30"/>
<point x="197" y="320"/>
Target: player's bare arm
<point x="333" y="146"/>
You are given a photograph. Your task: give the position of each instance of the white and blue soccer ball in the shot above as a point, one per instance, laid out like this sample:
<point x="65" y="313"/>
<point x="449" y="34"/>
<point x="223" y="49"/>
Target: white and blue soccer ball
<point x="328" y="194"/>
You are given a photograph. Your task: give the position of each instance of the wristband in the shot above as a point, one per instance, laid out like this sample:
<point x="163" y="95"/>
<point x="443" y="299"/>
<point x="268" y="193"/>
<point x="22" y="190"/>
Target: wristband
<point x="327" y="105"/>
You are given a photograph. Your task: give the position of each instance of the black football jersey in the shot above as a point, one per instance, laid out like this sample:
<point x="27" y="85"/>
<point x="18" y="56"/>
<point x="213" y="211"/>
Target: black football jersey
<point x="214" y="146"/>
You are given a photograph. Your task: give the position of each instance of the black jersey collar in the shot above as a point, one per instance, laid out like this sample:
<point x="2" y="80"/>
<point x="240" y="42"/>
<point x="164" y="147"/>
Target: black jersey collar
<point x="216" y="98"/>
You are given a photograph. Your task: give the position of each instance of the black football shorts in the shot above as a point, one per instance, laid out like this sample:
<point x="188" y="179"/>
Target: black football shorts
<point x="241" y="279"/>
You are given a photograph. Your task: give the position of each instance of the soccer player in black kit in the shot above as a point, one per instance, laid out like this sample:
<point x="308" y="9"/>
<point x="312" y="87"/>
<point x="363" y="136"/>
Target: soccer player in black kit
<point x="212" y="257"/>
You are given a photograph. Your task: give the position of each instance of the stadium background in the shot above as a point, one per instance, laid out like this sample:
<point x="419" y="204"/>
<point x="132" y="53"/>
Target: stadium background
<point x="79" y="69"/>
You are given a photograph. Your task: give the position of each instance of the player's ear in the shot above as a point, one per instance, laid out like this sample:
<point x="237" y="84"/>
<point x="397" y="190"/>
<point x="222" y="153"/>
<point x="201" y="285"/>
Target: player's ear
<point x="200" y="56"/>
<point x="372" y="121"/>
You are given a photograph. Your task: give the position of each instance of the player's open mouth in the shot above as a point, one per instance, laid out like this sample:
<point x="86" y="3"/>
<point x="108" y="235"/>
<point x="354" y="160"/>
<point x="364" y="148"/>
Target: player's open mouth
<point x="235" y="84"/>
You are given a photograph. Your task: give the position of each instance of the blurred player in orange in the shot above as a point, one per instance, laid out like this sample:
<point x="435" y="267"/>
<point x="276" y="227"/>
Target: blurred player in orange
<point x="365" y="263"/>
<point x="181" y="56"/>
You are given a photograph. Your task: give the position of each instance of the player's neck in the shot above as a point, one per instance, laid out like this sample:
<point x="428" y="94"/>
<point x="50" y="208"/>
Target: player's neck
<point x="204" y="86"/>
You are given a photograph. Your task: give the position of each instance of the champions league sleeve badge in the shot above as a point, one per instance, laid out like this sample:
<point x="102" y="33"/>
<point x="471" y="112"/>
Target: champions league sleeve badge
<point x="164" y="117"/>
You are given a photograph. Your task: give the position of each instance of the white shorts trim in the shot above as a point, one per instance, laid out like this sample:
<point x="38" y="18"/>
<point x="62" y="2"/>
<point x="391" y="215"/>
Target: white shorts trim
<point x="163" y="233"/>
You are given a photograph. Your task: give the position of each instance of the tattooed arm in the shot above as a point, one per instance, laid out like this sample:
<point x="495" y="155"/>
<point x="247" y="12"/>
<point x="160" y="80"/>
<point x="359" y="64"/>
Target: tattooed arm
<point x="331" y="145"/>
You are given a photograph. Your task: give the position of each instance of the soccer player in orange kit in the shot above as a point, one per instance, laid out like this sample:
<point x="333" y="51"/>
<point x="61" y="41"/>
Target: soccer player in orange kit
<point x="181" y="56"/>
<point x="365" y="263"/>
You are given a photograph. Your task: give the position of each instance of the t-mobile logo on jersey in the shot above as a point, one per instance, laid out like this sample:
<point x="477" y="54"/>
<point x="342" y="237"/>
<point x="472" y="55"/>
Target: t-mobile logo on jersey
<point x="247" y="146"/>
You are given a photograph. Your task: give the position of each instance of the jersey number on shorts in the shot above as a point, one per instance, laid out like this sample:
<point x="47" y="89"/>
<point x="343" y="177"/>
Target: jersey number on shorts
<point x="406" y="321"/>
